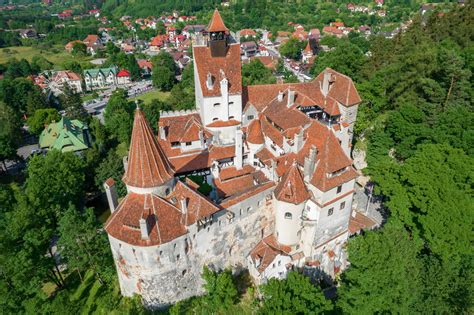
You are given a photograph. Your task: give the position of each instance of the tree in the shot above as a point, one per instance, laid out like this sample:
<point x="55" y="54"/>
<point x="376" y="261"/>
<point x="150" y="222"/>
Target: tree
<point x="163" y="78"/>
<point x="384" y="275"/>
<point x="152" y="112"/>
<point x="83" y="245"/>
<point x="255" y="72"/>
<point x="182" y="94"/>
<point x="164" y="70"/>
<point x="133" y="67"/>
<point x="220" y="288"/>
<point x="10" y="134"/>
<point x="292" y="48"/>
<point x="118" y="116"/>
<point x="35" y="100"/>
<point x="79" y="48"/>
<point x="111" y="167"/>
<point x="42" y="117"/>
<point x="72" y="104"/>
<point x="293" y="295"/>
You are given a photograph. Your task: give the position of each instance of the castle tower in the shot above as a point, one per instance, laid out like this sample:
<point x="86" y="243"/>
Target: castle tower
<point x="218" y="88"/>
<point x="307" y="53"/>
<point x="217" y="35"/>
<point x="291" y="195"/>
<point x="148" y="169"/>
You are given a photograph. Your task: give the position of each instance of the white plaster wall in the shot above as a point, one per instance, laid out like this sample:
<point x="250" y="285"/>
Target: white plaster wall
<point x="277" y="269"/>
<point x="250" y="111"/>
<point x="222" y="111"/>
<point x="194" y="146"/>
<point x="162" y="190"/>
<point x="287" y="229"/>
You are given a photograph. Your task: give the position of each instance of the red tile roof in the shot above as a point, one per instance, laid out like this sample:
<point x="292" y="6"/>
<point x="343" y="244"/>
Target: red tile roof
<point x="148" y="166"/>
<point x="221" y="123"/>
<point x="164" y="220"/>
<point x="254" y="132"/>
<point x="123" y="73"/>
<point x="359" y="221"/>
<point x="247" y="32"/>
<point x="342" y="89"/>
<point x="218" y="67"/>
<point x="292" y="188"/>
<point x="216" y="24"/>
<point x="266" y="251"/>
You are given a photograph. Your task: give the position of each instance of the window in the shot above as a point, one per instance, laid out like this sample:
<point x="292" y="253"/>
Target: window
<point x="215" y="118"/>
<point x="342" y="206"/>
<point x="188" y="143"/>
<point x="231" y="103"/>
<point x="339" y="189"/>
<point x="330" y="211"/>
<point x="279" y="263"/>
<point x="174" y="144"/>
<point x="288" y="215"/>
<point x="217" y="104"/>
<point x="250" y="117"/>
<point x="177" y="257"/>
<point x="231" y="117"/>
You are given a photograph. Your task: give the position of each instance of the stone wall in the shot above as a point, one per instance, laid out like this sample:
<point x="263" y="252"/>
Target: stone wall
<point x="171" y="272"/>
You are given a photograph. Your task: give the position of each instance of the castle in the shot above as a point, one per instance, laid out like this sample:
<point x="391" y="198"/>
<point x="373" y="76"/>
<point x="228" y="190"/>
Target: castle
<point x="276" y="158"/>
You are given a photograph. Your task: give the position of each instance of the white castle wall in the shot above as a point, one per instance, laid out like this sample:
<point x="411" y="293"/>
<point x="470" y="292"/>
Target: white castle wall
<point x="171" y="272"/>
<point x="287" y="230"/>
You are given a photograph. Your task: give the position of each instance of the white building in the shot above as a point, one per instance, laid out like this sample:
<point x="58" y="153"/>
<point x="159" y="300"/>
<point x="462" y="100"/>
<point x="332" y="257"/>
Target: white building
<point x="100" y="78"/>
<point x="273" y="162"/>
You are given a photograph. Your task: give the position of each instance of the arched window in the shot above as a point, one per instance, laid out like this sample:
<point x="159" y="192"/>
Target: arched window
<point x="288" y="215"/>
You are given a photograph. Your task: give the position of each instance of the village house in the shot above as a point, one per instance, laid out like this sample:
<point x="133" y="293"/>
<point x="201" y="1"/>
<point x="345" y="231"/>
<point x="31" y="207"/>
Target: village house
<point x="60" y="79"/>
<point x="93" y="44"/>
<point x="146" y="67"/>
<point x="100" y="78"/>
<point x="248" y="49"/>
<point x="277" y="159"/>
<point x="123" y="77"/>
<point x="65" y="135"/>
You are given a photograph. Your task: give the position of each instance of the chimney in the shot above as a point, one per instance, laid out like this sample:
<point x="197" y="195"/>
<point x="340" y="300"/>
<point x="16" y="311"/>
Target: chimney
<point x="215" y="169"/>
<point x="201" y="138"/>
<point x="274" y="170"/>
<point x="209" y="81"/>
<point x="280" y="96"/>
<point x="144" y="229"/>
<point x="309" y="163"/>
<point x="111" y="192"/>
<point x="238" y="161"/>
<point x="298" y="141"/>
<point x="326" y="82"/>
<point x="291" y="98"/>
<point x="125" y="162"/>
<point x="184" y="205"/>
<point x="162" y="131"/>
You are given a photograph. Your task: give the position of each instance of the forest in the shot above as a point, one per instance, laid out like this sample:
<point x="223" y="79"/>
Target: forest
<point x="416" y="125"/>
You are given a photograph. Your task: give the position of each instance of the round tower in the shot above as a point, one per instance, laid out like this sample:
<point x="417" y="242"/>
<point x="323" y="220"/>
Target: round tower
<point x="148" y="168"/>
<point x="290" y="199"/>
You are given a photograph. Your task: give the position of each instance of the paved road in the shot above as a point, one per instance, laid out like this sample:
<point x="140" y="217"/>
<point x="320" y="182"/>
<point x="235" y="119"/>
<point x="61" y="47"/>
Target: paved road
<point x="275" y="53"/>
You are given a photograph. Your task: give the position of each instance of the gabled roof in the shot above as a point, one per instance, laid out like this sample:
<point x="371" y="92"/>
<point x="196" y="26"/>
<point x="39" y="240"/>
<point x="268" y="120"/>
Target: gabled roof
<point x="218" y="67"/>
<point x="266" y="251"/>
<point x="66" y="136"/>
<point x="216" y="24"/>
<point x="292" y="188"/>
<point x="148" y="166"/>
<point x="254" y="132"/>
<point x="342" y="89"/>
<point x="123" y="73"/>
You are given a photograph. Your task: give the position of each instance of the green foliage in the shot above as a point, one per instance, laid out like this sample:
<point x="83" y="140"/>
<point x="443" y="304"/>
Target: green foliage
<point x="182" y="94"/>
<point x="118" y="116"/>
<point x="72" y="104"/>
<point x="255" y="72"/>
<point x="292" y="48"/>
<point x="80" y="240"/>
<point x="111" y="166"/>
<point x="164" y="70"/>
<point x="42" y="117"/>
<point x="10" y="134"/>
<point x="293" y="295"/>
<point x="384" y="275"/>
<point x="220" y="288"/>
<point x="152" y="112"/>
<point x="133" y="67"/>
<point x="79" y="49"/>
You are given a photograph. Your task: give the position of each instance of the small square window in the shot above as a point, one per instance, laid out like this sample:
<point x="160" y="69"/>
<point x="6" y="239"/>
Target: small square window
<point x="330" y="211"/>
<point x="250" y="117"/>
<point x="188" y="143"/>
<point x="339" y="189"/>
<point x="342" y="206"/>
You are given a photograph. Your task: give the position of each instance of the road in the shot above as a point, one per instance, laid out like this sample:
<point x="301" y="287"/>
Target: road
<point x="275" y="53"/>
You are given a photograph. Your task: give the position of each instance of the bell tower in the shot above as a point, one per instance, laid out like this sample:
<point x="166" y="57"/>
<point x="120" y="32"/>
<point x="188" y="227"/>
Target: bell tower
<point x="218" y="35"/>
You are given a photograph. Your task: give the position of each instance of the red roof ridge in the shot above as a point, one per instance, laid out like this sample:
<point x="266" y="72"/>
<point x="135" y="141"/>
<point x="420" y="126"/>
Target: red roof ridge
<point x="148" y="165"/>
<point x="216" y="24"/>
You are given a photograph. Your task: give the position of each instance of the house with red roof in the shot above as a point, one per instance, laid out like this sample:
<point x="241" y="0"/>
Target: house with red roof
<point x="123" y="77"/>
<point x="256" y="176"/>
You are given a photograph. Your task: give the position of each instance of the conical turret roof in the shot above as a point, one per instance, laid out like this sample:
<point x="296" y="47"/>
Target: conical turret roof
<point x="216" y="24"/>
<point x="292" y="188"/>
<point x="148" y="166"/>
<point x="254" y="133"/>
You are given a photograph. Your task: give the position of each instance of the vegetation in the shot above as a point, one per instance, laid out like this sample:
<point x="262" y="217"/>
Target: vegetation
<point x="255" y="72"/>
<point x="164" y="70"/>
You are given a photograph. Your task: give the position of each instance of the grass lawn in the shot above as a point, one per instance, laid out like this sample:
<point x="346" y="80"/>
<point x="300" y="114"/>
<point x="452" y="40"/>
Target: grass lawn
<point x="56" y="55"/>
<point x="153" y="94"/>
<point x="87" y="97"/>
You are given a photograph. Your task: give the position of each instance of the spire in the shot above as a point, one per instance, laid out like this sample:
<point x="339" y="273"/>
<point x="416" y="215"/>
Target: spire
<point x="216" y="24"/>
<point x="292" y="188"/>
<point x="148" y="166"/>
<point x="308" y="48"/>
